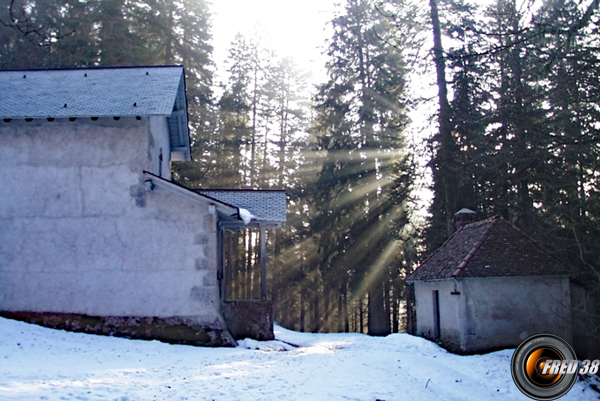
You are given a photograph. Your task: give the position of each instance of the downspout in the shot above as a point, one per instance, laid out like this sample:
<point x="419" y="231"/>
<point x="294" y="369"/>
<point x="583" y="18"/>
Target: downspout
<point x="263" y="263"/>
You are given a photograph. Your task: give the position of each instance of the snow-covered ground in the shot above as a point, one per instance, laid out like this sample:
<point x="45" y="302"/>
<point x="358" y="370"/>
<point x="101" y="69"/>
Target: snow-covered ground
<point x="37" y="363"/>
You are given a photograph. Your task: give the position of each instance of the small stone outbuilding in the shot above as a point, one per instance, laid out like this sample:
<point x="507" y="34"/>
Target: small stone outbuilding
<point x="490" y="286"/>
<point x="94" y="234"/>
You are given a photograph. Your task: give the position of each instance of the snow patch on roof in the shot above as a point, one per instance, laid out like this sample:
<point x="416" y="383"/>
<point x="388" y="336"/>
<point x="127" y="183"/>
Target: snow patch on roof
<point x="246" y="215"/>
<point x="266" y="206"/>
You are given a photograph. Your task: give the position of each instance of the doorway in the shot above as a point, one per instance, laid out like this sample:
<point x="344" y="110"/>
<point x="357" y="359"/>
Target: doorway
<point x="436" y="315"/>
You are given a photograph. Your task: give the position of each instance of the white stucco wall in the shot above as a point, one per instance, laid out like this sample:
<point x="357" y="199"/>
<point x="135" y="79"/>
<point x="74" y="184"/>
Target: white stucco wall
<point x="158" y="145"/>
<point x="80" y="233"/>
<point x="451" y="310"/>
<point x="503" y="311"/>
<point x="495" y="312"/>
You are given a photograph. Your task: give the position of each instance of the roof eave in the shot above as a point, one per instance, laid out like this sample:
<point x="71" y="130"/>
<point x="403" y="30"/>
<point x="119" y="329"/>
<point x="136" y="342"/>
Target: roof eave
<point x="41" y="117"/>
<point x="254" y="223"/>
<point x="412" y="281"/>
<point x="224" y="210"/>
<point x="186" y="129"/>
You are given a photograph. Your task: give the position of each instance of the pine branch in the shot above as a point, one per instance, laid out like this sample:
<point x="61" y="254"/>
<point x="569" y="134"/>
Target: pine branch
<point x="26" y="27"/>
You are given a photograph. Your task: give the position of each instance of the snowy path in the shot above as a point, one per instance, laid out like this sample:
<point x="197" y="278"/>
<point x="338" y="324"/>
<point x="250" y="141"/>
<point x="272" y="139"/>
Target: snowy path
<point x="42" y="364"/>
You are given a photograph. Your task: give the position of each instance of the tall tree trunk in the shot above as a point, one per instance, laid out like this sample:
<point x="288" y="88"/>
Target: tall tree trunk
<point x="255" y="99"/>
<point x="411" y="314"/>
<point x="377" y="325"/>
<point x="386" y="299"/>
<point x="444" y="177"/>
<point x="316" y="310"/>
<point x="302" y="309"/>
<point x="265" y="151"/>
<point x="361" y="315"/>
<point x="283" y="129"/>
<point x="379" y="321"/>
<point x="111" y="33"/>
<point x="326" y="310"/>
<point x="340" y="314"/>
<point x="395" y="313"/>
<point x="346" y="314"/>
<point x="169" y="35"/>
<point x="278" y="266"/>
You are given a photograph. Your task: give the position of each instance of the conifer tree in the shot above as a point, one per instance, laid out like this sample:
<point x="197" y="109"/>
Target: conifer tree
<point x="358" y="127"/>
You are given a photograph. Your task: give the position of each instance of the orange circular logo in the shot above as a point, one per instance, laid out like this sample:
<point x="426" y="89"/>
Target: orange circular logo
<point x="544" y="367"/>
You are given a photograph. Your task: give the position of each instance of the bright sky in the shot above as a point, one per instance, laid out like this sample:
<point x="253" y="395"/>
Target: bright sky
<point x="297" y="29"/>
<point x="291" y="28"/>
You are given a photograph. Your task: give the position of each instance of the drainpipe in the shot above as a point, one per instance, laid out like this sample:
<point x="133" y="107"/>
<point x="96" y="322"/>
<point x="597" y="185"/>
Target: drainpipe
<point x="212" y="211"/>
<point x="263" y="262"/>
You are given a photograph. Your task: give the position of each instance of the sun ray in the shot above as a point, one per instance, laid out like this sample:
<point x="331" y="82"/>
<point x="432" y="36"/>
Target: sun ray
<point x="377" y="267"/>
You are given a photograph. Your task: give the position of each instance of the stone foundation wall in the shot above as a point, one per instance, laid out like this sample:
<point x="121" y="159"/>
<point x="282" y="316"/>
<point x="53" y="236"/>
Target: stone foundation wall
<point x="172" y="330"/>
<point x="249" y="319"/>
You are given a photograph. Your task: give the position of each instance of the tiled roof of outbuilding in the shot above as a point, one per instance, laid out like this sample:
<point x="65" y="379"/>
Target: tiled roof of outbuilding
<point x="266" y="206"/>
<point x="90" y="92"/>
<point x="491" y="247"/>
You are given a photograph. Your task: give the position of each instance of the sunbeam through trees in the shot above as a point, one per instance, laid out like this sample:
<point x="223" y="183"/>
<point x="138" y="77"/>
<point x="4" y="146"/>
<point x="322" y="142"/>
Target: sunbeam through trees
<point x="514" y="132"/>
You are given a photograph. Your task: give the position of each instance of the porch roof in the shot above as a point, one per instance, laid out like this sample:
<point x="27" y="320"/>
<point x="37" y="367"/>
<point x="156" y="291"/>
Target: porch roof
<point x="265" y="205"/>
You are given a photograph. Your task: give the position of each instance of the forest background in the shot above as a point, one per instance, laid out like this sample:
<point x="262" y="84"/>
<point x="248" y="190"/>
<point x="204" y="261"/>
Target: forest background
<point x="515" y="113"/>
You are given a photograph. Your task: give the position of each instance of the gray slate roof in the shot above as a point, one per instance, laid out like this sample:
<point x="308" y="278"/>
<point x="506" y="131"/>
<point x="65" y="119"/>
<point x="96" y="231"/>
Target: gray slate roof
<point x="104" y="92"/>
<point x="266" y="206"/>
<point x="487" y="248"/>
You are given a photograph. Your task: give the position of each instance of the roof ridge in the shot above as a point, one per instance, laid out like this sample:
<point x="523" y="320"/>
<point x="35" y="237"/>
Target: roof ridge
<point x="436" y="251"/>
<point x="444" y="243"/>
<point x="493" y="221"/>
<point x="481" y="222"/>
<point x="95" y="68"/>
<point x="236" y="190"/>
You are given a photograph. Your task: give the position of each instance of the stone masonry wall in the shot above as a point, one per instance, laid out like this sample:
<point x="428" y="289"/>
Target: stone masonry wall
<point x="80" y="233"/>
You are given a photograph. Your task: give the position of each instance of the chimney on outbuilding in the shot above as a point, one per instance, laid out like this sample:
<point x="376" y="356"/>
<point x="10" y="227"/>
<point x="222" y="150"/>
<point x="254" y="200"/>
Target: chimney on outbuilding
<point x="463" y="217"/>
